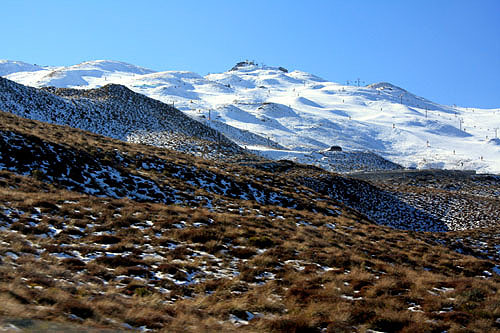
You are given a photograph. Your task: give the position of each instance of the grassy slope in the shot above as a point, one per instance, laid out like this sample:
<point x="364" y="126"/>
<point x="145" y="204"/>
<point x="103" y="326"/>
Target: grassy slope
<point x="73" y="257"/>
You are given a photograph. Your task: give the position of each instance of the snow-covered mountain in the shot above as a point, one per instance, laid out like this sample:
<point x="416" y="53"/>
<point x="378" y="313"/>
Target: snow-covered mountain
<point x="79" y="75"/>
<point x="8" y="67"/>
<point x="295" y="115"/>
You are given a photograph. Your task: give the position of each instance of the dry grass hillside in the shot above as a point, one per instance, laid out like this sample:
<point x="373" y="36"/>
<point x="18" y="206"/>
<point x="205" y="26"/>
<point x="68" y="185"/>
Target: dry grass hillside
<point x="102" y="234"/>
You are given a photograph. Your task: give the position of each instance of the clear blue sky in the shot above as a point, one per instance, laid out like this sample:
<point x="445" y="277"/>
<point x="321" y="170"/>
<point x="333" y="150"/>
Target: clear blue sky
<point x="447" y="51"/>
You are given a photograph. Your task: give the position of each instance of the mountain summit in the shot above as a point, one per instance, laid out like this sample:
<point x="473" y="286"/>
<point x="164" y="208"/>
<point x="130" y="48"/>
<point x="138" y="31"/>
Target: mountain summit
<point x="8" y="67"/>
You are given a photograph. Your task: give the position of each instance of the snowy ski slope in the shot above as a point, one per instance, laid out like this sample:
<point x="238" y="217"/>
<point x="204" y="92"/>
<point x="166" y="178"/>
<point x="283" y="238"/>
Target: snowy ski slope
<point x="294" y="115"/>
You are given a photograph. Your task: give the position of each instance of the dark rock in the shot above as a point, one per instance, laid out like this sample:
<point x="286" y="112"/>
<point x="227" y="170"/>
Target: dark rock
<point x="242" y="64"/>
<point x="335" y="148"/>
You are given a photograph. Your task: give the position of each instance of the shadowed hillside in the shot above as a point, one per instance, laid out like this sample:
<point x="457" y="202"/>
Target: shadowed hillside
<point x="107" y="234"/>
<point x="117" y="112"/>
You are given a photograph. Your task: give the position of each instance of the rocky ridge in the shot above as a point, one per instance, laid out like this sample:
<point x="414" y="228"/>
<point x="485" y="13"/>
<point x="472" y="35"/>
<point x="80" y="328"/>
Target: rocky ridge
<point x="117" y="112"/>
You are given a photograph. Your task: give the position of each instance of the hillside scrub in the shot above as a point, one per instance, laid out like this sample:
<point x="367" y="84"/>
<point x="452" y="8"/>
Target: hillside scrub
<point x="253" y="249"/>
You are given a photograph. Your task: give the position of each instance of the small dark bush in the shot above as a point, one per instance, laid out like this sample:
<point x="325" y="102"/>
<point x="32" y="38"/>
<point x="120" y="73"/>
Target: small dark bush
<point x="73" y="263"/>
<point x="45" y="204"/>
<point x="107" y="239"/>
<point x="261" y="241"/>
<point x="38" y="174"/>
<point x="141" y="292"/>
<point x="291" y="325"/>
<point x="360" y="316"/>
<point x="474" y="295"/>
<point x="138" y="271"/>
<point x="168" y="268"/>
<point x="78" y="309"/>
<point x="389" y="324"/>
<point x="242" y="252"/>
<point x="455" y="316"/>
<point x="118" y="261"/>
<point x="200" y="235"/>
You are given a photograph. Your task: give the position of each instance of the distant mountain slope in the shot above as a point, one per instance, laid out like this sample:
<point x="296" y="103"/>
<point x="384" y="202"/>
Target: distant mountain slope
<point x="334" y="161"/>
<point x="82" y="74"/>
<point x="8" y="67"/>
<point x="302" y="112"/>
<point x="117" y="112"/>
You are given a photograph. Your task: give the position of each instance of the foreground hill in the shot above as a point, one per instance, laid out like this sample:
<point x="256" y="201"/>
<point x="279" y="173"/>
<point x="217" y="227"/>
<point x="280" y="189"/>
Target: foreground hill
<point x="127" y="236"/>
<point x="117" y="112"/>
<point x="301" y="114"/>
<point x="409" y="209"/>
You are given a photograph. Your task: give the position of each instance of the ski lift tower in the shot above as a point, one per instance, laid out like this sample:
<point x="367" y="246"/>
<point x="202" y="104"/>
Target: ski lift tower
<point x="358" y="81"/>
